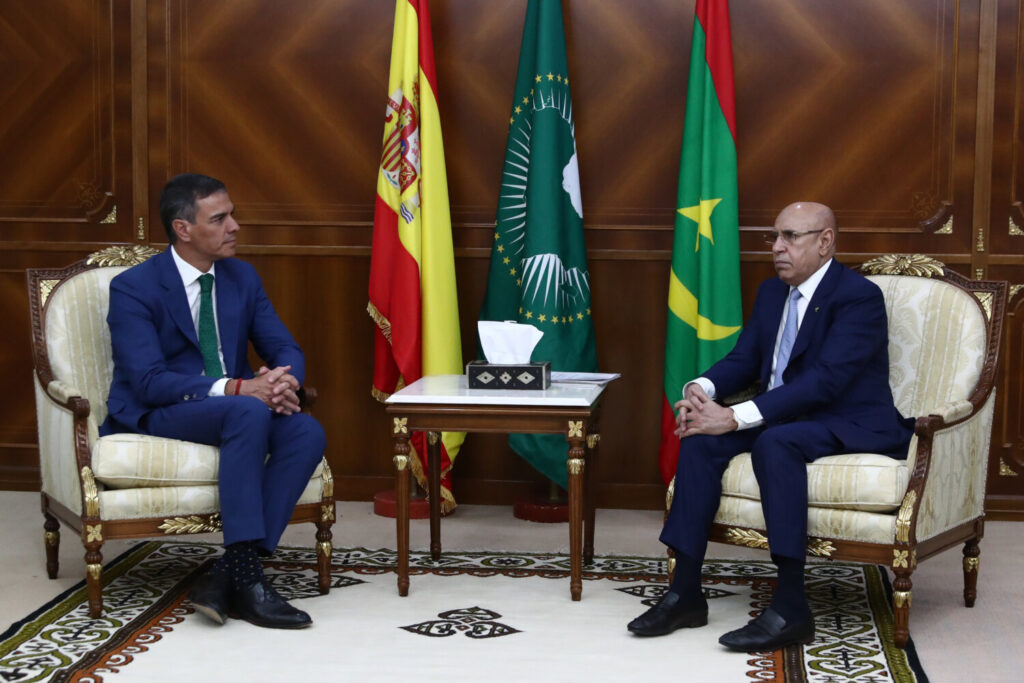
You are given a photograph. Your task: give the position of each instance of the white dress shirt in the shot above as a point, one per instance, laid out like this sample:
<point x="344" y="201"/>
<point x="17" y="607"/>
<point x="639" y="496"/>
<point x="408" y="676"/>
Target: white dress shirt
<point x="746" y="413"/>
<point x="190" y="278"/>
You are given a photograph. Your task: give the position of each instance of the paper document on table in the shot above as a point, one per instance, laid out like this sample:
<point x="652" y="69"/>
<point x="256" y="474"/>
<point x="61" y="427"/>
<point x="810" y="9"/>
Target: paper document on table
<point x="588" y="377"/>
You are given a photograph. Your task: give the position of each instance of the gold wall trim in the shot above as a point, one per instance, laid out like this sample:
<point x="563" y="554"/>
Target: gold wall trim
<point x="1004" y="469"/>
<point x="111" y="217"/>
<point x="140" y="229"/>
<point x="947" y="227"/>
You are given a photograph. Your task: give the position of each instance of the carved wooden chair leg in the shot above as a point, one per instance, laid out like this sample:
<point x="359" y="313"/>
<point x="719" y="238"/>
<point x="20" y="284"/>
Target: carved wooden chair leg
<point x="94" y="576"/>
<point x="971" y="561"/>
<point x="51" y="537"/>
<point x="324" y="549"/>
<point x="901" y="599"/>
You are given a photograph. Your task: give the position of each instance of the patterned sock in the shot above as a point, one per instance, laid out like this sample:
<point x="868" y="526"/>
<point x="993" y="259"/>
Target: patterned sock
<point x="686" y="579"/>
<point x="242" y="564"/>
<point x="789" y="599"/>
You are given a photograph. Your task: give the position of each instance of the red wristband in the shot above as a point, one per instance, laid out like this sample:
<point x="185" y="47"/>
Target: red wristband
<point x="238" y="386"/>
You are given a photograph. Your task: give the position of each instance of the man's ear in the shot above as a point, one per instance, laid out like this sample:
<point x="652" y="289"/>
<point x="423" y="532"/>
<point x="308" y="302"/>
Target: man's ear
<point x="828" y="239"/>
<point x="181" y="229"/>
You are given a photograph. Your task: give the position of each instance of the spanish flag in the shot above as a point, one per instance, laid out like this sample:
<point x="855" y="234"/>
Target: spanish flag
<point x="412" y="268"/>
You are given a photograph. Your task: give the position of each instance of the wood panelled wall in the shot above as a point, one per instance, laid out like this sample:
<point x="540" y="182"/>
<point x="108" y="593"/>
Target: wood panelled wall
<point x="906" y="117"/>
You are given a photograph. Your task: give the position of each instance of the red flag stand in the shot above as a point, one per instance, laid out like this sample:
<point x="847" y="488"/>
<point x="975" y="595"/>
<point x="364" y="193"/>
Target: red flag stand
<point x="385" y="504"/>
<point x="545" y="509"/>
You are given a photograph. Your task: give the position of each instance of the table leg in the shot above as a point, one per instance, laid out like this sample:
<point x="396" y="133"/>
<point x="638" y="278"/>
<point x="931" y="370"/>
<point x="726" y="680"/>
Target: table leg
<point x="401" y="461"/>
<point x="434" y="492"/>
<point x="593" y="440"/>
<point x="576" y="465"/>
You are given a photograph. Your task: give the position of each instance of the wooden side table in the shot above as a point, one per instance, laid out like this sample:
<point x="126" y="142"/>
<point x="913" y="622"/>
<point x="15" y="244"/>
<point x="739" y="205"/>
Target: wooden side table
<point x="445" y="403"/>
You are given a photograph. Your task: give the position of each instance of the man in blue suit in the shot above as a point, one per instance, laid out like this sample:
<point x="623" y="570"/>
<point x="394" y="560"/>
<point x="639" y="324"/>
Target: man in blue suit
<point x="817" y="341"/>
<point x="180" y="326"/>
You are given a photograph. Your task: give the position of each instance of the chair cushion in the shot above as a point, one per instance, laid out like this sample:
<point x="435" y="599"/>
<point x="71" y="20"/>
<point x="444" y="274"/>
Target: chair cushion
<point x="178" y="501"/>
<point x="854" y="481"/>
<point x="123" y="461"/>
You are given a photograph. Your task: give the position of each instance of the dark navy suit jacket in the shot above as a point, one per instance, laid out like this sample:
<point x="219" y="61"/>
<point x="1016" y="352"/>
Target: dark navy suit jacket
<point x="838" y="372"/>
<point x="157" y="361"/>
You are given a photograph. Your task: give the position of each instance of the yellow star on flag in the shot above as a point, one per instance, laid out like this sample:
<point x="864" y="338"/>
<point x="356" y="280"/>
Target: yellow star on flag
<point x="701" y="215"/>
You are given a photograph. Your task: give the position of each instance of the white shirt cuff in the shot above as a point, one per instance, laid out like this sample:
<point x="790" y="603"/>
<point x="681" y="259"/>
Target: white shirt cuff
<point x="747" y="415"/>
<point x="704" y="383"/>
<point x="218" y="387"/>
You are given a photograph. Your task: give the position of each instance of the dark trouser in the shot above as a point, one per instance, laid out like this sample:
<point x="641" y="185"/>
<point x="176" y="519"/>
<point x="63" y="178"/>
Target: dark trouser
<point x="257" y="493"/>
<point x="780" y="455"/>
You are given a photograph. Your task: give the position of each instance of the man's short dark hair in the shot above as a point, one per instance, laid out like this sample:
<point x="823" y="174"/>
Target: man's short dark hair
<point x="179" y="197"/>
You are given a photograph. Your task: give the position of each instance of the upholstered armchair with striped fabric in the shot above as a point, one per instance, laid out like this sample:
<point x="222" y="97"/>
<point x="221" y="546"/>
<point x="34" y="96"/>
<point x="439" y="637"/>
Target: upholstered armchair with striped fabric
<point x="944" y="333"/>
<point x="122" y="485"/>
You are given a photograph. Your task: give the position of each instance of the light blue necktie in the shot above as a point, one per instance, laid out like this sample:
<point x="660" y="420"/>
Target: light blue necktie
<point x="788" y="337"/>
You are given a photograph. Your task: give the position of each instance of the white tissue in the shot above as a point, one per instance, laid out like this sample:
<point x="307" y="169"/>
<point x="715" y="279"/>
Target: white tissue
<point x="507" y="343"/>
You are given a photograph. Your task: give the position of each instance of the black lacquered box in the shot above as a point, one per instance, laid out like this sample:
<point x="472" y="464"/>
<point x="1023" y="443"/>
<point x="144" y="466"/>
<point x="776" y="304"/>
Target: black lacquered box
<point x="484" y="375"/>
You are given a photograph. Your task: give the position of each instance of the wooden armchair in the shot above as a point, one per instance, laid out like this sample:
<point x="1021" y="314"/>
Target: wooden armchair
<point x="122" y="485"/>
<point x="944" y="333"/>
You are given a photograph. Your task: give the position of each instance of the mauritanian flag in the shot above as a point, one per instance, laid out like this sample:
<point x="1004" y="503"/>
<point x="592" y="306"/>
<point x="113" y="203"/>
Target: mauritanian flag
<point x="538" y="272"/>
<point x="705" y="311"/>
<point x="412" y="267"/>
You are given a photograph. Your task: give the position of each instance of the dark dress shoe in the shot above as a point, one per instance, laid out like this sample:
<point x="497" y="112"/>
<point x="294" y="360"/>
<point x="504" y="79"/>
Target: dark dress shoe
<point x="769" y="631"/>
<point x="209" y="595"/>
<point x="261" y="605"/>
<point x="669" y="614"/>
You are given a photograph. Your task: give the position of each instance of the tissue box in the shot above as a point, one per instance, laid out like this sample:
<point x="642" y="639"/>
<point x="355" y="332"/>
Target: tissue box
<point x="484" y="375"/>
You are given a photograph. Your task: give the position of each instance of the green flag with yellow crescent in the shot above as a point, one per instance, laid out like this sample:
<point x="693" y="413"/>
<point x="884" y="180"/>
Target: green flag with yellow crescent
<point x="705" y="310"/>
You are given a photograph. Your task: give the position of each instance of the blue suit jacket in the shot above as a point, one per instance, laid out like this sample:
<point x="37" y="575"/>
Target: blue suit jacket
<point x="838" y="372"/>
<point x="157" y="361"/>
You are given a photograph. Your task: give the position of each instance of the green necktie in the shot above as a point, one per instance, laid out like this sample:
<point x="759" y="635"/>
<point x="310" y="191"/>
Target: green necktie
<point x="208" y="329"/>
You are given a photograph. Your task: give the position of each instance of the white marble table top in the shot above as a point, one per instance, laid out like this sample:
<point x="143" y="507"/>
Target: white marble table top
<point x="453" y="390"/>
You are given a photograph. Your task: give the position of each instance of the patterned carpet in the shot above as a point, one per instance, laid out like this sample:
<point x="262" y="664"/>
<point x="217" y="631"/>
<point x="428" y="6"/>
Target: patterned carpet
<point x="471" y="616"/>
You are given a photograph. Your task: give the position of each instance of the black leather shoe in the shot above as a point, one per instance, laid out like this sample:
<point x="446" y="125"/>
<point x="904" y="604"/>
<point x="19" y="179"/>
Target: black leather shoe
<point x="769" y="631"/>
<point x="668" y="615"/>
<point x="209" y="595"/>
<point x="261" y="605"/>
